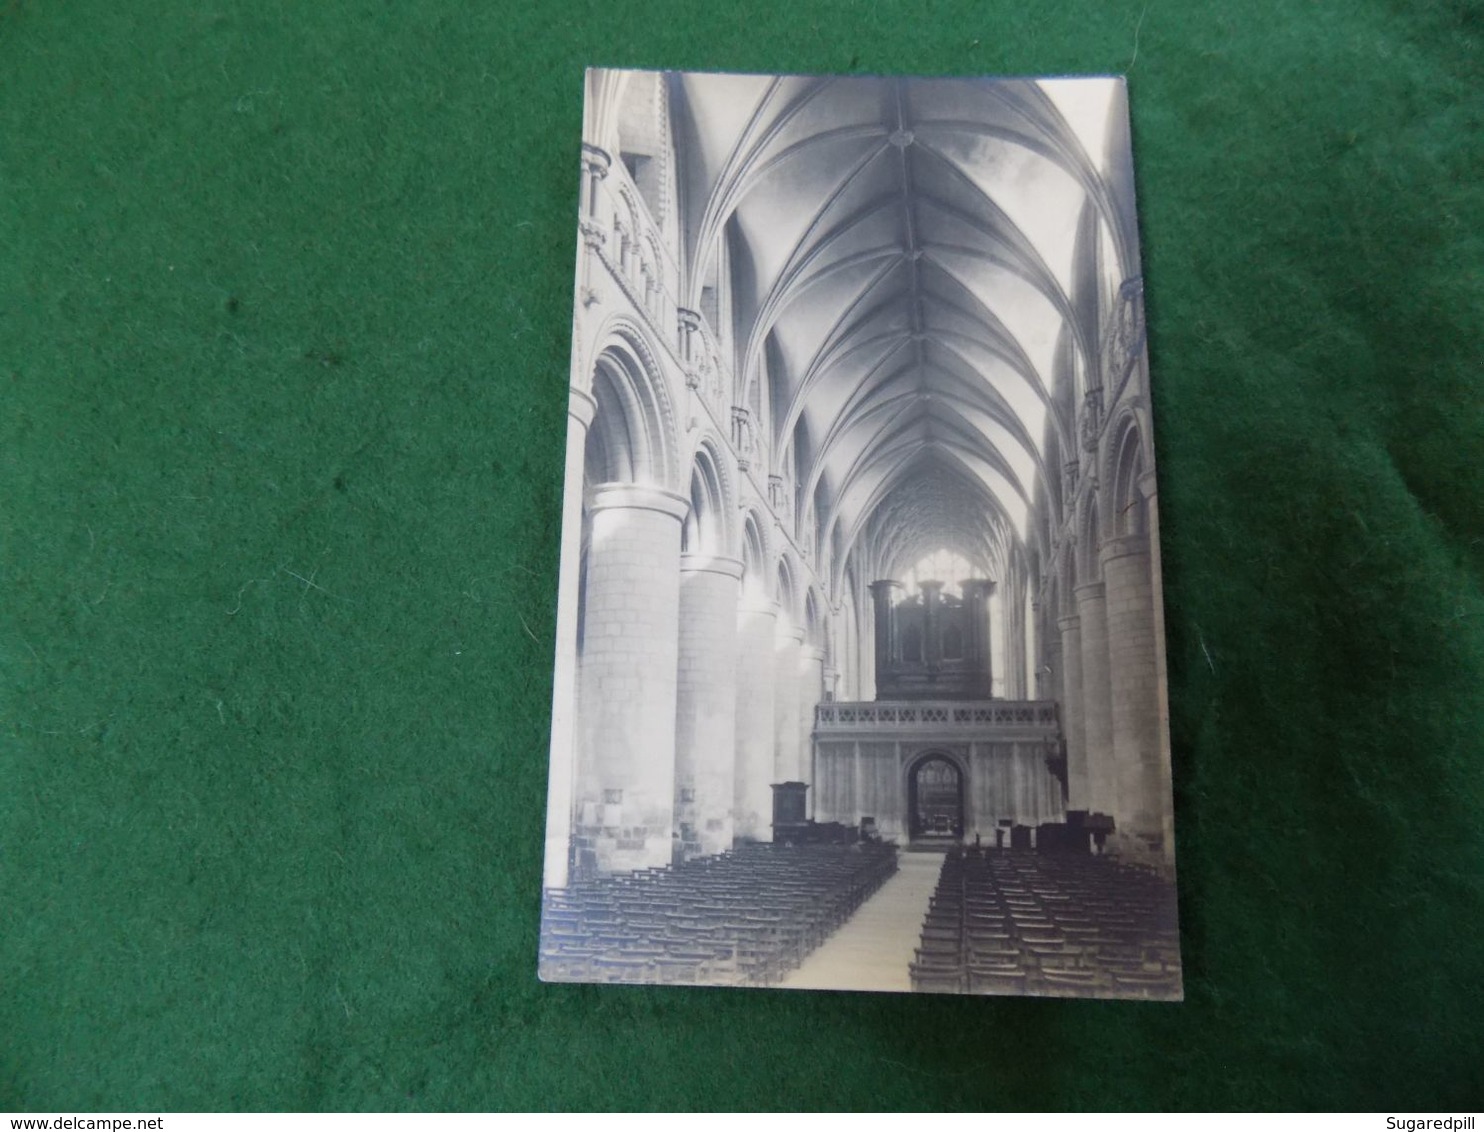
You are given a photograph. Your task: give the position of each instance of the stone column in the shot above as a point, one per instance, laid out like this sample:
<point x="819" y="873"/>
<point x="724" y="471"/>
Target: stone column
<point x="592" y="225"/>
<point x="756" y="690"/>
<point x="1079" y="788"/>
<point x="688" y="326"/>
<point x="706" y="703"/>
<point x="1097" y="699"/>
<point x="1133" y="684"/>
<point x="626" y="775"/>
<point x="595" y="166"/>
<point x="788" y="647"/>
<point x="561" y="775"/>
<point x="1162" y="699"/>
<point x="811" y="692"/>
<point x="625" y="244"/>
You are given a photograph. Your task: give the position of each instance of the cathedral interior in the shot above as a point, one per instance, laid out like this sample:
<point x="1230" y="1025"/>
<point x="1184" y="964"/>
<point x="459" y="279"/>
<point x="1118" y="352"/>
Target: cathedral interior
<point x="860" y="553"/>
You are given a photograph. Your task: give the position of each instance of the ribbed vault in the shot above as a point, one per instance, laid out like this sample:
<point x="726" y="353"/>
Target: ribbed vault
<point x="903" y="300"/>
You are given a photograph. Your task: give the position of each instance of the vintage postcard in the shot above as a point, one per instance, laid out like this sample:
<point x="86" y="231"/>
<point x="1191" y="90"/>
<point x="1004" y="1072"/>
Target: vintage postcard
<point x="860" y="677"/>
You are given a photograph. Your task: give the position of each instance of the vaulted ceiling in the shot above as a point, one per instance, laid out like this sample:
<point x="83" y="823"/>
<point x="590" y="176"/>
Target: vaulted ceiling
<point x="914" y="270"/>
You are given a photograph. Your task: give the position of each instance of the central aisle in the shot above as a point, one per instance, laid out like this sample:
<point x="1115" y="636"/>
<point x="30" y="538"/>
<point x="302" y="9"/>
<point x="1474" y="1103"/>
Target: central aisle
<point x="874" y="948"/>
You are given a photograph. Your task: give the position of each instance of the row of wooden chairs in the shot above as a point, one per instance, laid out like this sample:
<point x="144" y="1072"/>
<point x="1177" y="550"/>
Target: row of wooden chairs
<point x="1022" y="923"/>
<point x="748" y="916"/>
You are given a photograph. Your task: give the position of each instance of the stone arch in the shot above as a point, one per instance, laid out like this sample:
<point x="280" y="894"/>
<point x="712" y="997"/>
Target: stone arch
<point x="701" y="532"/>
<point x="628" y="218"/>
<point x="657" y="259"/>
<point x="1126" y="466"/>
<point x="710" y="524"/>
<point x="725" y="464"/>
<point x="814" y="620"/>
<point x="913" y="768"/>
<point x="632" y="437"/>
<point x="1089" y="540"/>
<point x="753" y="551"/>
<point x="786" y="593"/>
<point x="1051" y="607"/>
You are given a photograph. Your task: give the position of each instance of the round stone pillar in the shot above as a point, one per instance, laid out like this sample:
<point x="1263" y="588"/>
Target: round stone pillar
<point x="788" y="645"/>
<point x="706" y="703"/>
<point x="811" y="692"/>
<point x="1161" y="675"/>
<point x="1134" y="680"/>
<point x="627" y="681"/>
<point x="1097" y="699"/>
<point x="1072" y="714"/>
<point x="752" y="813"/>
<point x="561" y="775"/>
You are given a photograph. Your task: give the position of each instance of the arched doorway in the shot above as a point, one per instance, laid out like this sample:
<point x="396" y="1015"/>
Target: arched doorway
<point x="935" y="799"/>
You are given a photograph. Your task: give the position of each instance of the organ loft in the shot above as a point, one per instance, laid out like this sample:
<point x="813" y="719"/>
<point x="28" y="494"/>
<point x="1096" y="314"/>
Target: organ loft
<point x="934" y="756"/>
<point x="932" y="645"/>
<point x="859" y="475"/>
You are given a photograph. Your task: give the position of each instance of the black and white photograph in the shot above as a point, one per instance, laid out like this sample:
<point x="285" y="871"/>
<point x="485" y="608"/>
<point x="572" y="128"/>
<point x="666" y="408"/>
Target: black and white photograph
<point x="860" y="669"/>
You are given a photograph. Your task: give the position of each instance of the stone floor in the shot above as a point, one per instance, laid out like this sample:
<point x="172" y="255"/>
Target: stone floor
<point x="875" y="947"/>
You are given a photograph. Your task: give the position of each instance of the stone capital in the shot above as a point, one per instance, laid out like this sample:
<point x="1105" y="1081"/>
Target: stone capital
<point x="596" y="161"/>
<point x="711" y="564"/>
<point x="813" y="653"/>
<point x="638" y="497"/>
<point x="1123" y="546"/>
<point x="592" y="234"/>
<point x="757" y="606"/>
<point x="1090" y="591"/>
<point x="1069" y="624"/>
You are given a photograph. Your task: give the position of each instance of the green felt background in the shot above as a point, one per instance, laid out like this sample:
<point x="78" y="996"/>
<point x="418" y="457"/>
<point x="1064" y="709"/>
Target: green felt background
<point x="284" y="317"/>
